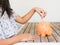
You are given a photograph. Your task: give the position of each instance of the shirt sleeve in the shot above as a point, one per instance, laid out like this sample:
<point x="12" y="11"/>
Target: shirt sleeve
<point x="15" y="15"/>
<point x="17" y="25"/>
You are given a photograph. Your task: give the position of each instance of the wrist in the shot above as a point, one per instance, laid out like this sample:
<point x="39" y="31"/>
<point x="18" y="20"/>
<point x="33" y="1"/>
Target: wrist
<point x="14" y="39"/>
<point x="34" y="9"/>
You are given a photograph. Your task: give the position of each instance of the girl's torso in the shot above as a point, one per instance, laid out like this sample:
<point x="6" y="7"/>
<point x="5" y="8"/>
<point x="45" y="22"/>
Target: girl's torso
<point x="8" y="27"/>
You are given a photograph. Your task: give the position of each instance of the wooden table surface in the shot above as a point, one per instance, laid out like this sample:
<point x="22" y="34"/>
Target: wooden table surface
<point x="31" y="28"/>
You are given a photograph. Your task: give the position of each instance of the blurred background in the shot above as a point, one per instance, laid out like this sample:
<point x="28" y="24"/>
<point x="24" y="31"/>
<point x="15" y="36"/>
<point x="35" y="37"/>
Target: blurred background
<point x="52" y="7"/>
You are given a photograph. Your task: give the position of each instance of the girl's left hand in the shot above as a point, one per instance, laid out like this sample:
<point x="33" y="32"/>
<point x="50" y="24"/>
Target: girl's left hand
<point x="40" y="11"/>
<point x="25" y="37"/>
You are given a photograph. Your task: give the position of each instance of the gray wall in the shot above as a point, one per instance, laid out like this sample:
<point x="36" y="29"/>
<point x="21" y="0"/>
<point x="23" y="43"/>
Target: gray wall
<point x="52" y="7"/>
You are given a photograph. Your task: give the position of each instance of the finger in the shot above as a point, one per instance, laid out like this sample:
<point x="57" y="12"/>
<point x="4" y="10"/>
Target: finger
<point x="41" y="14"/>
<point x="45" y="13"/>
<point x="34" y="37"/>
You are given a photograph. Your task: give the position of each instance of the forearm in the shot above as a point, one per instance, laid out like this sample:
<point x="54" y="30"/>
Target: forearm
<point x="26" y="17"/>
<point x="9" y="41"/>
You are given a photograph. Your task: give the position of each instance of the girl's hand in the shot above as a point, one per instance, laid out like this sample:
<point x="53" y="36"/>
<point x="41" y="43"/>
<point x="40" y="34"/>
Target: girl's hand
<point x="26" y="37"/>
<point x="40" y="11"/>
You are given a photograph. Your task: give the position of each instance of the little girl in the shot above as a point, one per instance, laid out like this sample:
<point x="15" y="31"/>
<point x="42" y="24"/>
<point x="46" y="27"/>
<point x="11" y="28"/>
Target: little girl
<point x="11" y="22"/>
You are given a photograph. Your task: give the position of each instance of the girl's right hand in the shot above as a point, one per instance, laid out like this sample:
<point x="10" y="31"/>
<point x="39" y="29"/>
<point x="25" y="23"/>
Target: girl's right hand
<point x="26" y="37"/>
<point x="40" y="11"/>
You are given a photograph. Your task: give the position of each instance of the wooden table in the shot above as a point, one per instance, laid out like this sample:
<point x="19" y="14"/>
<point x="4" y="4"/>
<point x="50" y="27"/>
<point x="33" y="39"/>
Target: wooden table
<point x="31" y="28"/>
